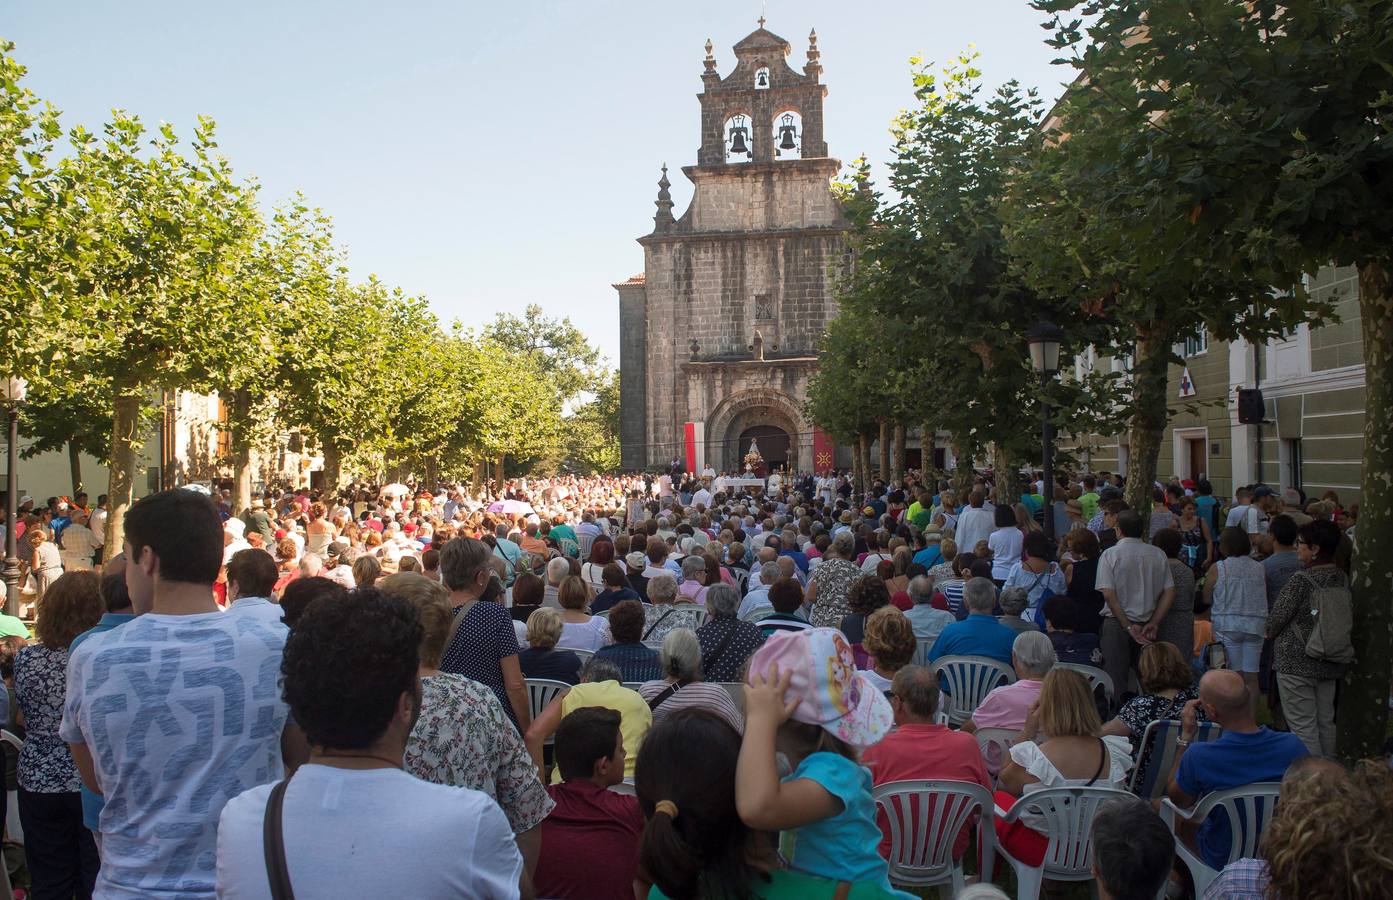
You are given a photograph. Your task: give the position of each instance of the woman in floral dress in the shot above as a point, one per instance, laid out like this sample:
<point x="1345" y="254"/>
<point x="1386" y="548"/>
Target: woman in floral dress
<point x="462" y="736"/>
<point x="60" y="851"/>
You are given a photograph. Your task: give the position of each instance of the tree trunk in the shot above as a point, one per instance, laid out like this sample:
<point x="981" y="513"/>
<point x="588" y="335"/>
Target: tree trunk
<point x="1007" y="488"/>
<point x="333" y="468"/>
<point x="498" y="472"/>
<point x="75" y="467"/>
<point x="884" y="471"/>
<point x="1364" y="698"/>
<point x="897" y="454"/>
<point x="962" y="468"/>
<point x="428" y="465"/>
<point x="863" y="455"/>
<point x="238" y="422"/>
<point x="926" y="448"/>
<point x="125" y="442"/>
<point x="1148" y="422"/>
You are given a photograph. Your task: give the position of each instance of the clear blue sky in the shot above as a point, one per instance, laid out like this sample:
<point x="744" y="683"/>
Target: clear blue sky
<point x="487" y="155"/>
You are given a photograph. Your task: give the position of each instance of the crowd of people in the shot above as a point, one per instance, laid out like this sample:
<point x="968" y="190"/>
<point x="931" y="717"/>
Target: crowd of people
<point x="334" y="695"/>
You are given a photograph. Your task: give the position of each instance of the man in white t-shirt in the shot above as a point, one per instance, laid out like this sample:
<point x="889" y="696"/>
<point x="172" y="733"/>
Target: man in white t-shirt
<point x="175" y="712"/>
<point x="353" y="824"/>
<point x="1138" y="590"/>
<point x="702" y="497"/>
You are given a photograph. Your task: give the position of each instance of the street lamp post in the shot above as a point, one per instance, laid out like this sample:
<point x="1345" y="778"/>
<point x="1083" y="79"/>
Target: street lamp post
<point x="1044" y="339"/>
<point x="15" y="390"/>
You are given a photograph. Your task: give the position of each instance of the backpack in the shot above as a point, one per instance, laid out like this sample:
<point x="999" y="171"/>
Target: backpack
<point x="1333" y="610"/>
<point x="1039" y="617"/>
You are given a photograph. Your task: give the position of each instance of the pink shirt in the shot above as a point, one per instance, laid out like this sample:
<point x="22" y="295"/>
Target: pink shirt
<point x="693" y="591"/>
<point x="1007" y="706"/>
<point x="925" y="751"/>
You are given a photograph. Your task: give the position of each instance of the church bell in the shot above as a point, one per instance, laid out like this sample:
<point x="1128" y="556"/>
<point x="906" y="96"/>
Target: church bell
<point x="787" y="134"/>
<point x="738" y="144"/>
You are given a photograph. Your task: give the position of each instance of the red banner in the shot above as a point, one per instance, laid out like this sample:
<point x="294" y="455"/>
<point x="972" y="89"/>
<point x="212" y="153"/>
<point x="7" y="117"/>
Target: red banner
<point x="824" y="451"/>
<point x="694" y="442"/>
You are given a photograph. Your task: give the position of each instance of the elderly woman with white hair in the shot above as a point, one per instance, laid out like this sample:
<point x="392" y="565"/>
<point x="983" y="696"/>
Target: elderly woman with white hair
<point x="683" y="685"/>
<point x="693" y="587"/>
<point x="664" y="613"/>
<point x="726" y="642"/>
<point x="1014" y="601"/>
<point x="1008" y="706"/>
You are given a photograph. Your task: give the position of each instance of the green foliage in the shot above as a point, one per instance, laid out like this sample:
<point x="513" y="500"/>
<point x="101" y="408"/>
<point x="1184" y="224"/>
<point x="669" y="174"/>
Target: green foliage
<point x="933" y="317"/>
<point x="592" y="431"/>
<point x="1216" y="150"/>
<point x="560" y="349"/>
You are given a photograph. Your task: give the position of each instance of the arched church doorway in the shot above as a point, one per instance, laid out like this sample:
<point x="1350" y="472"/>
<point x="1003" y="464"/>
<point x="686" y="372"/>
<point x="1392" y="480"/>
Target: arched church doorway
<point x="773" y="445"/>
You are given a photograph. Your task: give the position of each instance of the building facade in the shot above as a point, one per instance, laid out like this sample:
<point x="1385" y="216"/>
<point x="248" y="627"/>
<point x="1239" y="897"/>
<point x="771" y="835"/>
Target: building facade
<point x="1312" y="383"/>
<point x="187" y="444"/>
<point x="722" y="327"/>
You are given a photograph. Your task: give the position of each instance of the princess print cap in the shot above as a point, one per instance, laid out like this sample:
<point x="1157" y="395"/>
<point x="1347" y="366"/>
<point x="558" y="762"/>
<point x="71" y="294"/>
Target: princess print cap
<point x="830" y="691"/>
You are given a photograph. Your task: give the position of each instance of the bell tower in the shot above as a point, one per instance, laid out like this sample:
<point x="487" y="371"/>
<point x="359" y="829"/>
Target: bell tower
<point x="763" y="111"/>
<point x="723" y="325"/>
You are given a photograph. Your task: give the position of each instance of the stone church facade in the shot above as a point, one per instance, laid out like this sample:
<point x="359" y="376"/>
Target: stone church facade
<point x="722" y="327"/>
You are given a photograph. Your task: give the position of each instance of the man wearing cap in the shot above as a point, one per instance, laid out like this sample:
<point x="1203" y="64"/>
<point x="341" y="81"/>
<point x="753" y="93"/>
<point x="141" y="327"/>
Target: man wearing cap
<point x="255" y="519"/>
<point x="338" y="568"/>
<point x="932" y="554"/>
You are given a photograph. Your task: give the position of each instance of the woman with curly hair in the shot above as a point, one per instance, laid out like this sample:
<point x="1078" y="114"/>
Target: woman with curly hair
<point x="866" y="596"/>
<point x="1330" y="837"/>
<point x="60" y="851"/>
<point x="891" y="642"/>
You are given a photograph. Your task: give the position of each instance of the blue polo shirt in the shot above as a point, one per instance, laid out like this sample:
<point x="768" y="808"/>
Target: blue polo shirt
<point x="800" y="559"/>
<point x="977" y="635"/>
<point x="1232" y="761"/>
<point x="929" y="557"/>
<point x="92" y="802"/>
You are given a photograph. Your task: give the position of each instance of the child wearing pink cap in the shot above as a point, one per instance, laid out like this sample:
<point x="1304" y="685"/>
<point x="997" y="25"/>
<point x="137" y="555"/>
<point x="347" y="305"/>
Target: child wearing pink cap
<point x="806" y="698"/>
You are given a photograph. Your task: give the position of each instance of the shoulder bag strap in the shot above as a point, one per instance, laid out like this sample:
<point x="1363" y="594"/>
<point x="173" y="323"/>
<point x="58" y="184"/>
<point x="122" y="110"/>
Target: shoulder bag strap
<point x="660" y="699"/>
<point x="459" y="619"/>
<point x="273" y="844"/>
<point x="659" y="622"/>
<point x="1102" y="761"/>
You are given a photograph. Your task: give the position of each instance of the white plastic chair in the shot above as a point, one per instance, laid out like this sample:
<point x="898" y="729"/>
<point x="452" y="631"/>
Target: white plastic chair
<point x="540" y="693"/>
<point x="1068" y="813"/>
<point x="995" y="746"/>
<point x="925" y="819"/>
<point x="968" y="680"/>
<point x="632" y="685"/>
<point x="1156" y="756"/>
<point x="921" y="653"/>
<point x="586" y="541"/>
<point x="1095" y="676"/>
<point x="624" y="787"/>
<point x="1248" y="808"/>
<point x="583" y="654"/>
<point x="736" y="690"/>
<point x="12" y="823"/>
<point x="757" y="614"/>
<point x="742" y="579"/>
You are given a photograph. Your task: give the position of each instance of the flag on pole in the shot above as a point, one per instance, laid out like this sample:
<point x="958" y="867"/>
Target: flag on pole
<point x="824" y="451"/>
<point x="694" y="438"/>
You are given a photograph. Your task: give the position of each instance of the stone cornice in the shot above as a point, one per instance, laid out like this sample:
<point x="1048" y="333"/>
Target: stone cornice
<point x="694" y="366"/>
<point x="677" y="237"/>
